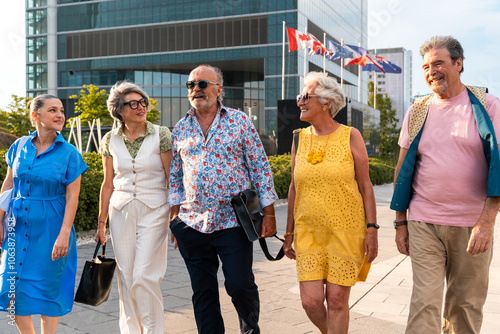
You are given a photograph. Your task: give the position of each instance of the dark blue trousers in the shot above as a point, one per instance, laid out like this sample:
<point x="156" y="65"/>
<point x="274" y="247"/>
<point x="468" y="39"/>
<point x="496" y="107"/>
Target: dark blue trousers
<point x="201" y="253"/>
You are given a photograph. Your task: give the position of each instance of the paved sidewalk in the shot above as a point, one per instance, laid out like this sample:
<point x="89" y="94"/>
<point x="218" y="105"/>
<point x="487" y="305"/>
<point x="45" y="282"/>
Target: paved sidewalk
<point x="378" y="306"/>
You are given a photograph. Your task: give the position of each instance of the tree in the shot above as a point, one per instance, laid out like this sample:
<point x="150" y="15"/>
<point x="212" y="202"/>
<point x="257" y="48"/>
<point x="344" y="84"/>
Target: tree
<point x="92" y="105"/>
<point x="16" y="121"/>
<point x="389" y="131"/>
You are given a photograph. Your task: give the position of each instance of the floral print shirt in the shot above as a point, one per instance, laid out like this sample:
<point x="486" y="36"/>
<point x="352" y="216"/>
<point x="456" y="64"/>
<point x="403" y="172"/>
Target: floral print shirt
<point x="205" y="175"/>
<point x="133" y="148"/>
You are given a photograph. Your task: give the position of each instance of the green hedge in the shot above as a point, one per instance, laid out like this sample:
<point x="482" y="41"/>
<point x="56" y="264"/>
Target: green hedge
<point x="381" y="171"/>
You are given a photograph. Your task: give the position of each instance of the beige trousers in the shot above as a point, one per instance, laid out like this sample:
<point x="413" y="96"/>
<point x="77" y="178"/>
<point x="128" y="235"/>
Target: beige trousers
<point x="438" y="253"/>
<point x="139" y="237"/>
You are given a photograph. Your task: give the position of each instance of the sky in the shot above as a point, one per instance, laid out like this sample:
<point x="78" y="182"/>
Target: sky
<point x="391" y="24"/>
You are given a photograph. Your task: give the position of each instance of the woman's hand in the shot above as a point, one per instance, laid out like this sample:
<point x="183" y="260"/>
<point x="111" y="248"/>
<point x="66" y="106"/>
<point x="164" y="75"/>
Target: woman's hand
<point x="60" y="248"/>
<point x="101" y="233"/>
<point x="371" y="244"/>
<point x="288" y="248"/>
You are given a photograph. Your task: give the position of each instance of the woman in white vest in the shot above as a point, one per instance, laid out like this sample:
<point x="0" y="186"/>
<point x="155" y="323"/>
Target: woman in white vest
<point x="136" y="161"/>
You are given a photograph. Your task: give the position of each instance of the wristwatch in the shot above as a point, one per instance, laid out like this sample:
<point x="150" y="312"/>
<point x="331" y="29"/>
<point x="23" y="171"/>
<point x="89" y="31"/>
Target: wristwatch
<point x="400" y="223"/>
<point x="377" y="226"/>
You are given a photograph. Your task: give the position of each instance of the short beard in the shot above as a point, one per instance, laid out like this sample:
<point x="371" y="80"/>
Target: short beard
<point x="440" y="89"/>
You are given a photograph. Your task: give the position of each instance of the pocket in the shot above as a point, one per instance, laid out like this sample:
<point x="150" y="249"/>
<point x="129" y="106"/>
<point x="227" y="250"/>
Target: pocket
<point x="174" y="223"/>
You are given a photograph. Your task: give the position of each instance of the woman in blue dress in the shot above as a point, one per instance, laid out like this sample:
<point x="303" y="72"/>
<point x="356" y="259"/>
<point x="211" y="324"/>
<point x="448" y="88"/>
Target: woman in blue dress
<point x="38" y="263"/>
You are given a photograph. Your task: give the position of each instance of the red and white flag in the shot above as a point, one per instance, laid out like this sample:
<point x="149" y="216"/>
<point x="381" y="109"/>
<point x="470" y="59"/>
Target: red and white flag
<point x="299" y="40"/>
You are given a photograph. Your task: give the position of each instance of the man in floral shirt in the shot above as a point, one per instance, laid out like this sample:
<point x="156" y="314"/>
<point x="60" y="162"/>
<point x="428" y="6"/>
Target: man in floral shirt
<point x="216" y="154"/>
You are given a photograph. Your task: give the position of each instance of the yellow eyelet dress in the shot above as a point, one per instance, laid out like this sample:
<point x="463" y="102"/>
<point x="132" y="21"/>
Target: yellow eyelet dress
<point x="330" y="223"/>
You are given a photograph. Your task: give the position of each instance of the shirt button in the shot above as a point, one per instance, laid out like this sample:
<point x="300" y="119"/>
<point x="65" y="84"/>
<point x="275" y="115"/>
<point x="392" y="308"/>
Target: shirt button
<point x="28" y="181"/>
<point x="21" y="264"/>
<point x="38" y="157"/>
<point x="134" y="195"/>
<point x="25" y="209"/>
<point x="133" y="183"/>
<point x="24" y="249"/>
<point x="134" y="171"/>
<point x="28" y="195"/>
<point x="29" y="168"/>
<point x="133" y="161"/>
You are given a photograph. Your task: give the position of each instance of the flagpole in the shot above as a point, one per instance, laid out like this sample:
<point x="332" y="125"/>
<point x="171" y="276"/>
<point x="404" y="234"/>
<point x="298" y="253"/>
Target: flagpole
<point x="359" y="80"/>
<point x="342" y="67"/>
<point x="283" y="66"/>
<point x="305" y="57"/>
<point x="324" y="53"/>
<point x="375" y="87"/>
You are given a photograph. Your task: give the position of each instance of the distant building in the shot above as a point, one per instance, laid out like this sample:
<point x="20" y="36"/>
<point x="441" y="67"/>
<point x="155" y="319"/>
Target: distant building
<point x="397" y="86"/>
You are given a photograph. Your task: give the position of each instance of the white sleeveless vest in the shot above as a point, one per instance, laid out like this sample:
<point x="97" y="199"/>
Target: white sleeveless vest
<point x="142" y="178"/>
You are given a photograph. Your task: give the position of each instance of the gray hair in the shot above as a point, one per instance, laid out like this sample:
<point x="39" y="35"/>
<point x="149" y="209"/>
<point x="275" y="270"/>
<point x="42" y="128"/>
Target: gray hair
<point x="220" y="79"/>
<point x="451" y="44"/>
<point x="327" y="89"/>
<point x="36" y="104"/>
<point x="117" y="95"/>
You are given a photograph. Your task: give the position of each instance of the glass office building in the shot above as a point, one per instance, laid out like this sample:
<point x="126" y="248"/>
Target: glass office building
<point x="156" y="43"/>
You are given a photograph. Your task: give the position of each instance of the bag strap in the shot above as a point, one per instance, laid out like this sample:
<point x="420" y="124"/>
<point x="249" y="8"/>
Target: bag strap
<point x="263" y="245"/>
<point x="97" y="250"/>
<point x="296" y="136"/>
<point x="20" y="145"/>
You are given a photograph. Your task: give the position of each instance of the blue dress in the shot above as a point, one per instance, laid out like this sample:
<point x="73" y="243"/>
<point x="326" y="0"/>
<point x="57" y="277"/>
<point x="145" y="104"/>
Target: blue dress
<point x="40" y="285"/>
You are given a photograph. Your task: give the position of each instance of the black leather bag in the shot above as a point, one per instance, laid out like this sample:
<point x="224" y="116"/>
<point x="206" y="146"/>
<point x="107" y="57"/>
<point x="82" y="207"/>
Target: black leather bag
<point x="249" y="214"/>
<point x="96" y="280"/>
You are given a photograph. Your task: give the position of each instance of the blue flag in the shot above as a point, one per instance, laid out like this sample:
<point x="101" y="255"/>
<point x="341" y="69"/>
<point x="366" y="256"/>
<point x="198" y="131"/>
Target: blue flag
<point x="337" y="51"/>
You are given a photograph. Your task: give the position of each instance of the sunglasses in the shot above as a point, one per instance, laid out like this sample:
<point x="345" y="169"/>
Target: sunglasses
<point x="202" y="84"/>
<point x="134" y="104"/>
<point x="304" y="97"/>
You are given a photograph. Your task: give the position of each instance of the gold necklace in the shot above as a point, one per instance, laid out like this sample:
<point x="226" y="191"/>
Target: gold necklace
<point x="313" y="157"/>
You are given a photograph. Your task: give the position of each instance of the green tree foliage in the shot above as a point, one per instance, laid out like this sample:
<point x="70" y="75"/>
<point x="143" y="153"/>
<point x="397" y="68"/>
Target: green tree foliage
<point x="91" y="104"/>
<point x="154" y="114"/>
<point x="16" y="119"/>
<point x="389" y="131"/>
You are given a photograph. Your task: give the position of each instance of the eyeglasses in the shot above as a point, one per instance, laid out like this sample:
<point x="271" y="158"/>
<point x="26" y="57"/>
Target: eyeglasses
<point x="134" y="104"/>
<point x="202" y="84"/>
<point x="304" y="97"/>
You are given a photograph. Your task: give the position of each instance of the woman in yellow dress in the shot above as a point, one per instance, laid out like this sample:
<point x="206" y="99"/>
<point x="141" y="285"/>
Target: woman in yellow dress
<point x="331" y="225"/>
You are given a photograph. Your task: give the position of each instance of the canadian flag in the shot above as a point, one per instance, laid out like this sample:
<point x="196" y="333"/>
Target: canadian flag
<point x="299" y="40"/>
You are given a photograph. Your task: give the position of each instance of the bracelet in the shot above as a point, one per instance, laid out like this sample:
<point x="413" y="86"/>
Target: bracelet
<point x="101" y="222"/>
<point x="272" y="216"/>
<point x="287" y="234"/>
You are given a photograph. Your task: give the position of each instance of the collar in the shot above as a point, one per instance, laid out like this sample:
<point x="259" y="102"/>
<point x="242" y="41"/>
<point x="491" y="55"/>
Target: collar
<point x="59" y="137"/>
<point x="149" y="130"/>
<point x="220" y="110"/>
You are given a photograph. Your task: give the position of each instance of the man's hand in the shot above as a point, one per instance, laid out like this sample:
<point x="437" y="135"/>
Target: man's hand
<point x="268" y="226"/>
<point x="402" y="240"/>
<point x="480" y="238"/>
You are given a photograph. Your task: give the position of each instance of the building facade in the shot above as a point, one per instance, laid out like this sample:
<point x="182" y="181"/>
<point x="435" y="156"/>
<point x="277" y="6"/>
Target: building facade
<point x="156" y="43"/>
<point x="398" y="86"/>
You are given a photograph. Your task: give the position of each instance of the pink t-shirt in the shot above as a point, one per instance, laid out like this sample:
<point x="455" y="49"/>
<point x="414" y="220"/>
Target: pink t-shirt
<point x="451" y="171"/>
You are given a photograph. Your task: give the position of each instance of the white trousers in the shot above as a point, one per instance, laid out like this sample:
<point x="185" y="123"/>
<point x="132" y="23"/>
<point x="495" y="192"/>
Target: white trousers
<point x="139" y="237"/>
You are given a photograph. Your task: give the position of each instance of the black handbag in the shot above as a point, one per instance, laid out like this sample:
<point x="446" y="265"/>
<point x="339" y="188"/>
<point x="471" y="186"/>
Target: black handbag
<point x="249" y="215"/>
<point x="96" y="280"/>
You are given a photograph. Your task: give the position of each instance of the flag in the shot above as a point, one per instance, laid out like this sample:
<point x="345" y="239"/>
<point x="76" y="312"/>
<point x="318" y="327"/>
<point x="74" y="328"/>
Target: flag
<point x="386" y="65"/>
<point x="337" y="51"/>
<point x="366" y="61"/>
<point x="318" y="47"/>
<point x="298" y="40"/>
<point x="357" y="51"/>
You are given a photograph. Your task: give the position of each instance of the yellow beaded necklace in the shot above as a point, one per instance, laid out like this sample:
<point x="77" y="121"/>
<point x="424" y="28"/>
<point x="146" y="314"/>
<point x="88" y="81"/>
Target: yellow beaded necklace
<point x="313" y="157"/>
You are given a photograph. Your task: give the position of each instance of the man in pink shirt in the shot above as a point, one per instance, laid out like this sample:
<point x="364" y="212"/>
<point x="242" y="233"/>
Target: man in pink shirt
<point x="446" y="224"/>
